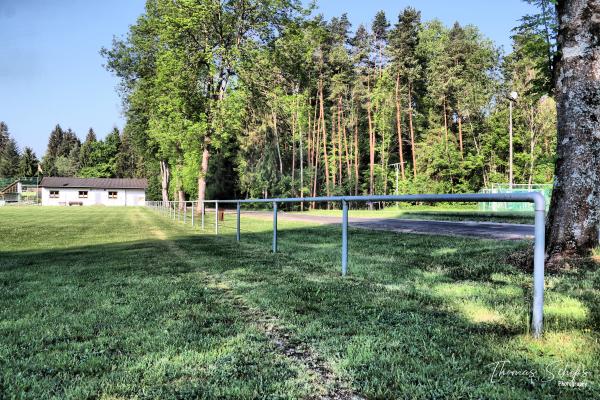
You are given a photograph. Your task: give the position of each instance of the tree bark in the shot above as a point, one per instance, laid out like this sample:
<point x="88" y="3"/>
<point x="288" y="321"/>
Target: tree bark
<point x="371" y="145"/>
<point x="347" y="152"/>
<point x="356" y="157"/>
<point x="334" y="157"/>
<point x="371" y="150"/>
<point x="301" y="144"/>
<point x="294" y="151"/>
<point x="383" y="161"/>
<point x="277" y="144"/>
<point x="460" y="136"/>
<point x="399" y="126"/>
<point x="179" y="180"/>
<point x="181" y="198"/>
<point x="324" y="131"/>
<point x="339" y="126"/>
<point x="317" y="149"/>
<point x="445" y="126"/>
<point x="165" y="177"/>
<point x="575" y="207"/>
<point x="412" y="131"/>
<point x="202" y="175"/>
<point x="532" y="142"/>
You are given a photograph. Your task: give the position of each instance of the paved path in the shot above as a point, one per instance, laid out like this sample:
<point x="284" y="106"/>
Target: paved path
<point x="489" y="230"/>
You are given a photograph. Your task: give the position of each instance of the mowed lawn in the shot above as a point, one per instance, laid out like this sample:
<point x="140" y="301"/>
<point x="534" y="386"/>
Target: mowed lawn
<point x="125" y="303"/>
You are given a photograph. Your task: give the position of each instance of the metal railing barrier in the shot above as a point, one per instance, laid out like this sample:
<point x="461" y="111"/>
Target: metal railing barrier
<point x="537" y="309"/>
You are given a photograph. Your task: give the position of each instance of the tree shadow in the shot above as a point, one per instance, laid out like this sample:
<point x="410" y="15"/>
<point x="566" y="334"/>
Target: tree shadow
<point x="128" y="320"/>
<point x="418" y="316"/>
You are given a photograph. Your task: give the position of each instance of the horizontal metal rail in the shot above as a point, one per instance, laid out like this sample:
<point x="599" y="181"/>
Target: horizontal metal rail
<point x="173" y="209"/>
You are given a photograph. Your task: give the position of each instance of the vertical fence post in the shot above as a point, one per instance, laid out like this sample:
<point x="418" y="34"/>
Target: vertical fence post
<point x="202" y="212"/>
<point x="344" y="237"/>
<point x="216" y="217"/>
<point x="192" y="214"/>
<point x="274" y="227"/>
<point x="537" y="312"/>
<point x="237" y="236"/>
<point x="185" y="212"/>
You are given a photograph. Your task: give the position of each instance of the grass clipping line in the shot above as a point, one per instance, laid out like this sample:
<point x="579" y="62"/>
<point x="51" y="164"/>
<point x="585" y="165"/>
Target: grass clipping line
<point x="331" y="386"/>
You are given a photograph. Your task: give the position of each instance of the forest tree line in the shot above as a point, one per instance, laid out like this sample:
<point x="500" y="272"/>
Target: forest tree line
<point x="247" y="98"/>
<point x="67" y="155"/>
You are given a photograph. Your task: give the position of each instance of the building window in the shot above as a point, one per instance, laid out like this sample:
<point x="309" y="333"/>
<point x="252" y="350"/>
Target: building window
<point x="83" y="194"/>
<point x="112" y="195"/>
<point x="54" y="194"/>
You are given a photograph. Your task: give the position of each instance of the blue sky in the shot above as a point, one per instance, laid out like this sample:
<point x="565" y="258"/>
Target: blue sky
<point x="51" y="71"/>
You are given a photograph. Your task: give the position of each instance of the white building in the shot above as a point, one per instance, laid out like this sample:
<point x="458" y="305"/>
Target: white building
<point x="93" y="191"/>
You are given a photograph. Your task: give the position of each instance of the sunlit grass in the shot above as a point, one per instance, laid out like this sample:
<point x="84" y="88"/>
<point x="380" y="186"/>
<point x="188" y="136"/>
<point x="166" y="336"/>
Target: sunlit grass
<point x="115" y="303"/>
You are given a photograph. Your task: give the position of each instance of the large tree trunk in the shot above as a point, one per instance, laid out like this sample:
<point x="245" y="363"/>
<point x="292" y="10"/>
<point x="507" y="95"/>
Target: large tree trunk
<point x="165" y="177"/>
<point x="202" y="176"/>
<point x="575" y="207"/>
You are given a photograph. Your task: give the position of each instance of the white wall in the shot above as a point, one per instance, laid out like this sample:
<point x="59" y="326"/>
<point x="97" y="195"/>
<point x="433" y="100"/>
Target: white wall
<point x="125" y="197"/>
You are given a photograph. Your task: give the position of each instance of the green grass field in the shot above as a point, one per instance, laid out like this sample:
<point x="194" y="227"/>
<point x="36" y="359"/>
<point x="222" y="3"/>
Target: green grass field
<point x="115" y="303"/>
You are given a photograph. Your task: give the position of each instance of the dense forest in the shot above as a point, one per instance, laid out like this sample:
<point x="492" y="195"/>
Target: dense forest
<point x="253" y="98"/>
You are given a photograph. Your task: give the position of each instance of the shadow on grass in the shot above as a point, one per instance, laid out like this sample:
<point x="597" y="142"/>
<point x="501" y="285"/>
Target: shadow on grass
<point x="128" y="320"/>
<point x="418" y="317"/>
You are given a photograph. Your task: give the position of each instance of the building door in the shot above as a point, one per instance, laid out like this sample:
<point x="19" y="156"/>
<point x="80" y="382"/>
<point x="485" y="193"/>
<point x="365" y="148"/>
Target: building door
<point x="98" y="197"/>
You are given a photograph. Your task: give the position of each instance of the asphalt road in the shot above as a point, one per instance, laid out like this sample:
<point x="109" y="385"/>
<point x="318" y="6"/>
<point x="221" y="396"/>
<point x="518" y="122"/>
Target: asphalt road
<point x="488" y="230"/>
